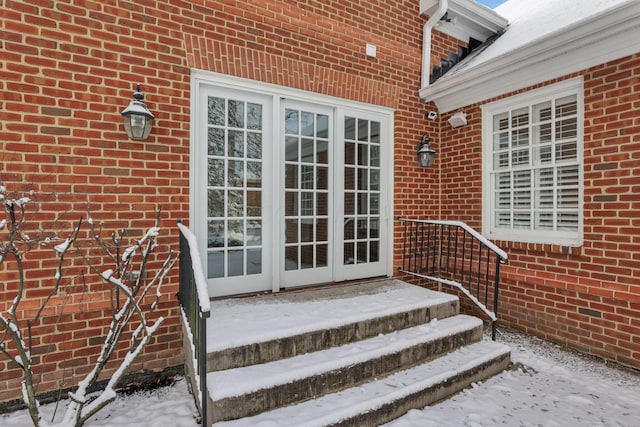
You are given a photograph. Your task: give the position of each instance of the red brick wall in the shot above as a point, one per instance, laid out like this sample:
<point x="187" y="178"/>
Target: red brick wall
<point x="586" y="297"/>
<point x="68" y="69"/>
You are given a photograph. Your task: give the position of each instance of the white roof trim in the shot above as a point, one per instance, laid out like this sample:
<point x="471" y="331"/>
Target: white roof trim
<point x="591" y="42"/>
<point x="467" y="19"/>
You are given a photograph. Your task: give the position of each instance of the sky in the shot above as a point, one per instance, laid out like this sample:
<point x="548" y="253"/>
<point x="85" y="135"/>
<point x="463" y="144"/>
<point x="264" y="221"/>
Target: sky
<point x="491" y="3"/>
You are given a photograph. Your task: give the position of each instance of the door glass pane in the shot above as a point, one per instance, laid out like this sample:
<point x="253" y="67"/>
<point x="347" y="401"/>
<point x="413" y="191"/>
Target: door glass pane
<point x="216" y="203"/>
<point x="291" y="258"/>
<point x="374" y="251"/>
<point x="236" y="143"/>
<point x="254" y="174"/>
<point x="306" y="230"/>
<point x="254" y="261"/>
<point x="291" y="122"/>
<point x="216" y="111"/>
<point x="306" y="256"/>
<point x="215" y="236"/>
<point x="235" y="263"/>
<point x="236" y="114"/>
<point x="216" y="172"/>
<point x="235" y="233"/>
<point x="235" y="173"/>
<point x="254" y="145"/>
<point x="322" y="204"/>
<point x="291" y="231"/>
<point x="291" y="203"/>
<point x="349" y="128"/>
<point x="234" y="188"/>
<point x="349" y="253"/>
<point x="215" y="264"/>
<point x="322" y="180"/>
<point x="254" y="116"/>
<point x="215" y="137"/>
<point x="322" y="126"/>
<point x="375" y="132"/>
<point x="254" y="233"/>
<point x="322" y="152"/>
<point x="291" y="148"/>
<point x="306" y="150"/>
<point x="322" y="252"/>
<point x="254" y="203"/>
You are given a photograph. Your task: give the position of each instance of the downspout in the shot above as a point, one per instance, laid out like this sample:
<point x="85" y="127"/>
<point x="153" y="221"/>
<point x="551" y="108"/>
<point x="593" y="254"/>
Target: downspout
<point x="426" y="40"/>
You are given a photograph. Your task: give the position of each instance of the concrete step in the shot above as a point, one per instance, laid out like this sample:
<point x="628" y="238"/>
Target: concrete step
<point x="250" y="390"/>
<point x="364" y="310"/>
<point x="385" y="399"/>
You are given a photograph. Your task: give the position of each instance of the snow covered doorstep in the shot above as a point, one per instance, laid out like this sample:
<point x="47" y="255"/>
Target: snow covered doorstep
<point x="236" y="322"/>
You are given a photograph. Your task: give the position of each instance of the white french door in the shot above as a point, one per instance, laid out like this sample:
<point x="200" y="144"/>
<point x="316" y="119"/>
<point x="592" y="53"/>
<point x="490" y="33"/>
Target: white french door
<point x="287" y="192"/>
<point x="307" y="142"/>
<point x="233" y="190"/>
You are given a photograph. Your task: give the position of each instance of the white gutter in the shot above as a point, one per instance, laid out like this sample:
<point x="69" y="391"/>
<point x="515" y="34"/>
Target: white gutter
<point x="426" y="40"/>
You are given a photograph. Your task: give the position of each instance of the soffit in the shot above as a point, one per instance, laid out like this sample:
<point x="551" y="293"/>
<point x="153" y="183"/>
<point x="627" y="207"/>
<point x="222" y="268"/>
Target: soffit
<point x="466" y="19"/>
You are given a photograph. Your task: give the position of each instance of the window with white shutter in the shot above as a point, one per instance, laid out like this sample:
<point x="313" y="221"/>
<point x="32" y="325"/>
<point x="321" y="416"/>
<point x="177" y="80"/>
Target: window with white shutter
<point x="532" y="165"/>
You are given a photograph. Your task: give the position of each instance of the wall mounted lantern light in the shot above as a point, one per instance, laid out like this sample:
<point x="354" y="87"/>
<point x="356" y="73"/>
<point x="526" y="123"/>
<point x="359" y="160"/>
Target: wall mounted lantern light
<point x="138" y="120"/>
<point x="426" y="153"/>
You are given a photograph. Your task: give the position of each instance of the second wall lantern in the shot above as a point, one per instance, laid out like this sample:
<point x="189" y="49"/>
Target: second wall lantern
<point x="138" y="120"/>
<point x="426" y="153"/>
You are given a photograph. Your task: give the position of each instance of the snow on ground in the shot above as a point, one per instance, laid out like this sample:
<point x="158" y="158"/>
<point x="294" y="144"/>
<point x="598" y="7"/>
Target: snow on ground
<point x="170" y="406"/>
<point x="547" y="387"/>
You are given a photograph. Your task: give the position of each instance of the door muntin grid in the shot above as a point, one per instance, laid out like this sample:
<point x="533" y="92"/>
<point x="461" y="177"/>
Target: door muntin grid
<point x="306" y="189"/>
<point x="234" y="188"/>
<point x="362" y="191"/>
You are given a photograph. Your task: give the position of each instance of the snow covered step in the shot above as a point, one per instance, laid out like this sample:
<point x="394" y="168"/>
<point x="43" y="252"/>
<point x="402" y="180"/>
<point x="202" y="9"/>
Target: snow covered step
<point x="247" y="391"/>
<point x="247" y="331"/>
<point x="385" y="399"/>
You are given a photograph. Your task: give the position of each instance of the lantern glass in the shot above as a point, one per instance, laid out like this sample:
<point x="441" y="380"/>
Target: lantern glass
<point x="426" y="154"/>
<point x="137" y="118"/>
<point x="426" y="158"/>
<point x="137" y="126"/>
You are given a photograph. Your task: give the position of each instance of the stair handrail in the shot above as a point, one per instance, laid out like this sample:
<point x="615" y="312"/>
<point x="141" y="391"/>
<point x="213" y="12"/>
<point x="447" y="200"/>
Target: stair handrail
<point x="452" y="253"/>
<point x="195" y="303"/>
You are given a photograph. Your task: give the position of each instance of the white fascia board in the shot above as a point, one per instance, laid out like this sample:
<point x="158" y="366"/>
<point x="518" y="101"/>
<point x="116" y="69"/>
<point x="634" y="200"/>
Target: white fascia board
<point x="611" y="36"/>
<point x="468" y="19"/>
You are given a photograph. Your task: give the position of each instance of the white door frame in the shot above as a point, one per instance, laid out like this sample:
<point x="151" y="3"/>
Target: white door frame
<point x="201" y="80"/>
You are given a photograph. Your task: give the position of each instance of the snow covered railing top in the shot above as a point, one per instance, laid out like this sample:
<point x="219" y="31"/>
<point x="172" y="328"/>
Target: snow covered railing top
<point x="453" y="254"/>
<point x="196" y="308"/>
<point x="200" y="281"/>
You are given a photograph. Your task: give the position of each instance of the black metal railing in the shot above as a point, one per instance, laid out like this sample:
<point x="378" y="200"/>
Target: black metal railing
<point x="453" y="254"/>
<point x="194" y="301"/>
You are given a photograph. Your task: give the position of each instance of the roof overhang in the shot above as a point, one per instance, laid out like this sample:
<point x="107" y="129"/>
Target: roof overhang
<point x="466" y="19"/>
<point x="609" y="36"/>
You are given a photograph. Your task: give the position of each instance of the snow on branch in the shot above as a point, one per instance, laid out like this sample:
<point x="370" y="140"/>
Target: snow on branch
<point x="133" y="314"/>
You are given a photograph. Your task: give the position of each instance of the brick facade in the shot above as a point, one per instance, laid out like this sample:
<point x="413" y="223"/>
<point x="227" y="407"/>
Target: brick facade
<point x="68" y="69"/>
<point x="587" y="297"/>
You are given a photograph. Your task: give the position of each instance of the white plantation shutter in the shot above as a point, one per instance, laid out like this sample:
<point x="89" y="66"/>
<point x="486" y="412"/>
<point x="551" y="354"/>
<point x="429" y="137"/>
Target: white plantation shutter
<point x="533" y="165"/>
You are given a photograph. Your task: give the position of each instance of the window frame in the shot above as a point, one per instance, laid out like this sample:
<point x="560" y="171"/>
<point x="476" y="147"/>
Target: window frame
<point x="571" y="87"/>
